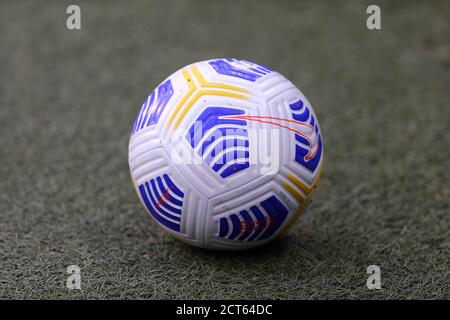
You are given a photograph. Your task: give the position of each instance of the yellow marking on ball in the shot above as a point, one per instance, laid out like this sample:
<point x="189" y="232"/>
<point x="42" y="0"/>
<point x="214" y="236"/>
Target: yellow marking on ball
<point x="204" y="84"/>
<point x="191" y="90"/>
<point x="183" y="106"/>
<point x="303" y="200"/>
<point x="197" y="96"/>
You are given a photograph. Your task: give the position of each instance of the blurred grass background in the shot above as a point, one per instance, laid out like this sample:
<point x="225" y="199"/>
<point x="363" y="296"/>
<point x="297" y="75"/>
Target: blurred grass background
<point x="68" y="100"/>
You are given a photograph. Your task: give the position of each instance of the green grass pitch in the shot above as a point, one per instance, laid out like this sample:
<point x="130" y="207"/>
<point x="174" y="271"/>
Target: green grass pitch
<point x="68" y="100"/>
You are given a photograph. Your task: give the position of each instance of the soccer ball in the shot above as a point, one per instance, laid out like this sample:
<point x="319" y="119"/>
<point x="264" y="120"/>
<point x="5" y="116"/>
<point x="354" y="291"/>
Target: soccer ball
<point x="225" y="154"/>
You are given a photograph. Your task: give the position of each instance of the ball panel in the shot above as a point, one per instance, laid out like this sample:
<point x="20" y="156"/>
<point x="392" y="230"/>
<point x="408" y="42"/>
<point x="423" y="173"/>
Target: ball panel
<point x="163" y="200"/>
<point x="300" y="172"/>
<point x="250" y="215"/>
<point x="239" y="69"/>
<point x="167" y="196"/>
<point x="153" y="107"/>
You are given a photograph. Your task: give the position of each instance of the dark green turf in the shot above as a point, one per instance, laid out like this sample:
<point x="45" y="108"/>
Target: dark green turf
<point x="68" y="101"/>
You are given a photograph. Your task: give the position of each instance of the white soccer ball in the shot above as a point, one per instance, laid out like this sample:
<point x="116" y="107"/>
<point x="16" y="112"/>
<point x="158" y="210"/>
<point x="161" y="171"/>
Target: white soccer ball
<point x="225" y="154"/>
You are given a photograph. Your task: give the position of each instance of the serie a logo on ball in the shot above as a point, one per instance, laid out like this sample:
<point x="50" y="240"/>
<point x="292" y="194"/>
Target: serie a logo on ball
<point x="225" y="154"/>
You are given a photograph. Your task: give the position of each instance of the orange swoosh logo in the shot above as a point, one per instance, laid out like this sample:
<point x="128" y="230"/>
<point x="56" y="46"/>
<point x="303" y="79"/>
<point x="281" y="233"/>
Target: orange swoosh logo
<point x="270" y="120"/>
